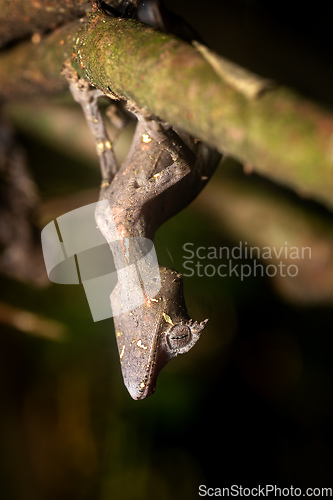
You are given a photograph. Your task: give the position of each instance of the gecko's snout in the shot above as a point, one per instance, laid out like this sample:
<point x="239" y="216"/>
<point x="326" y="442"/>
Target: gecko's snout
<point x="142" y="391"/>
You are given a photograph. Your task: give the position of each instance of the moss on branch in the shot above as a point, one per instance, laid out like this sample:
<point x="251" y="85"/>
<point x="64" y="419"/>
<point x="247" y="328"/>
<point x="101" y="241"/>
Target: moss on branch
<point x="279" y="133"/>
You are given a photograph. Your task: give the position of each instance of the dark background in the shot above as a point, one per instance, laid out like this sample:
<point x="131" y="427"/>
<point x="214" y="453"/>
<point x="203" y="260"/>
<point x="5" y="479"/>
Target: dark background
<point x="252" y="402"/>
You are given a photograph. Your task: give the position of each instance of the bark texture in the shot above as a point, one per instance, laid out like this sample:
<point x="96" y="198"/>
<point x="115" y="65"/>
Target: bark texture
<point x="277" y="132"/>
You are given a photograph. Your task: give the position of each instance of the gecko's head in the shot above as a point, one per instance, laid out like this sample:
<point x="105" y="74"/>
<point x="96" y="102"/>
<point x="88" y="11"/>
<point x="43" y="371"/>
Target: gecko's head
<point x="140" y="374"/>
<point x="152" y="334"/>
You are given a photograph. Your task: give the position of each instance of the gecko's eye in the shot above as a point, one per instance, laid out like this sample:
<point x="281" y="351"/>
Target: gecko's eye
<point x="178" y="337"/>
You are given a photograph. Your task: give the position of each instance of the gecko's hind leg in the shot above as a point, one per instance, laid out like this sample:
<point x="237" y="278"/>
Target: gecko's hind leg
<point x="182" y="156"/>
<point x="88" y="99"/>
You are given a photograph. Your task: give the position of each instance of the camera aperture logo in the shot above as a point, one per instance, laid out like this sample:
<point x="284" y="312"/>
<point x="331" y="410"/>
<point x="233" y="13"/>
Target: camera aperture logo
<point x="122" y="273"/>
<point x="225" y="262"/>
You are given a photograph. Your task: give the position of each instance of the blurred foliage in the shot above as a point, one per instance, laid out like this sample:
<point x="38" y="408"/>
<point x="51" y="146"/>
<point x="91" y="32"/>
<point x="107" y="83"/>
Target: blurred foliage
<point x="250" y="404"/>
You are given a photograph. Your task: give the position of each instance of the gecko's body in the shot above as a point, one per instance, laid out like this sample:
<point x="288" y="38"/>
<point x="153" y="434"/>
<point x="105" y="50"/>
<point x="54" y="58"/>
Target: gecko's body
<point x="163" y="172"/>
<point x="160" y="176"/>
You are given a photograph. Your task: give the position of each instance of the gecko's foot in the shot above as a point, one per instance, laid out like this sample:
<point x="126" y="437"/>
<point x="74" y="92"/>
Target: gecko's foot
<point x="155" y="127"/>
<point x="139" y="112"/>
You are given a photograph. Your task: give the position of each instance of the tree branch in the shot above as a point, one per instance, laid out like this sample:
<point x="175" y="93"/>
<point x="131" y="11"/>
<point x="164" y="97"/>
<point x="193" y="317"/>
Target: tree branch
<point x="31" y="70"/>
<point x="20" y="19"/>
<point x="277" y="133"/>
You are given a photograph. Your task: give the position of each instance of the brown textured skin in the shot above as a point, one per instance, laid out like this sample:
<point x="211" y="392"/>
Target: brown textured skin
<point x="164" y="170"/>
<point x="157" y="180"/>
